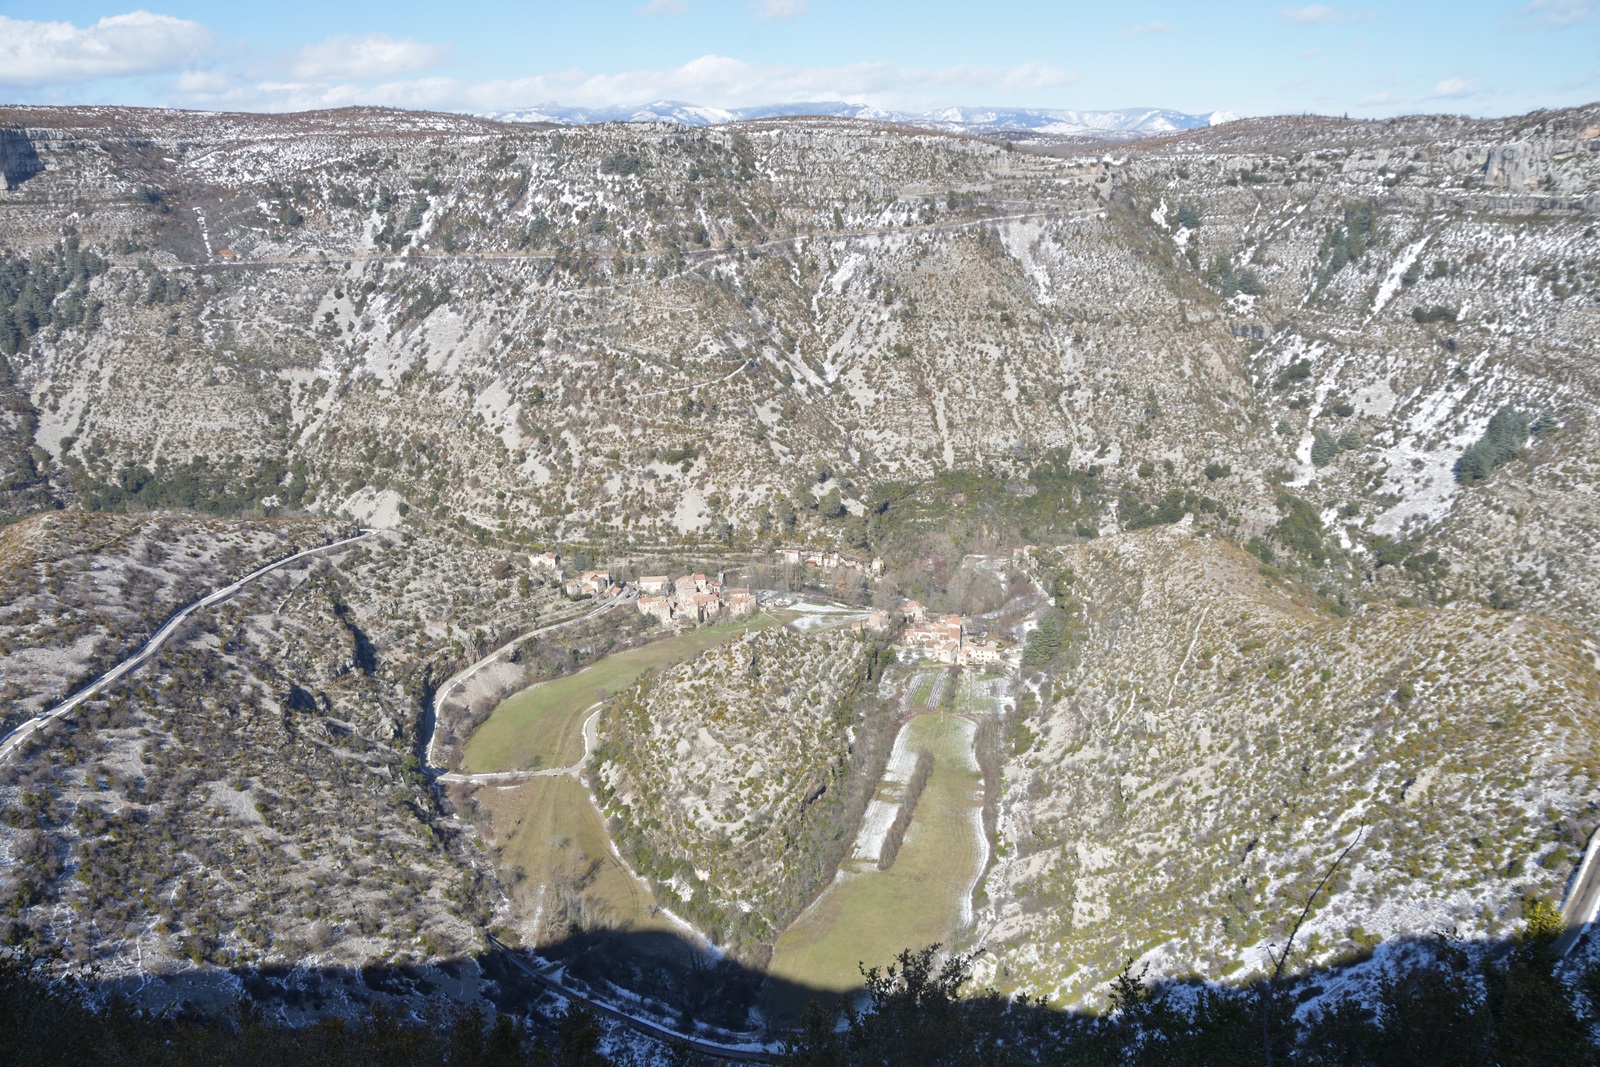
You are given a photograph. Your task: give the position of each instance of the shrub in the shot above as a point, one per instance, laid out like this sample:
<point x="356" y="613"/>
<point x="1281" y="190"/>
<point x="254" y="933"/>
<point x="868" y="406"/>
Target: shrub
<point x="1501" y="442"/>
<point x="1298" y="371"/>
<point x="1347" y="240"/>
<point x="621" y="162"/>
<point x="1324" y="448"/>
<point x="1437" y="313"/>
<point x="1225" y="279"/>
<point x="1300" y="529"/>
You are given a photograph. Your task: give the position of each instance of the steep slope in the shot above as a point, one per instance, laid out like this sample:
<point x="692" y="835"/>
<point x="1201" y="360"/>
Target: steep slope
<point x="735" y="780"/>
<point x="1209" y="743"/>
<point x="482" y="336"/>
<point x="251" y="796"/>
<point x="83" y="591"/>
<point x="657" y="330"/>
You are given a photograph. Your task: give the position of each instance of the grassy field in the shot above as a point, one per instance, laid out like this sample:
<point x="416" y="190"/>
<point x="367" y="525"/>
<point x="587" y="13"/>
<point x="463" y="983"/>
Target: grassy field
<point x="869" y="917"/>
<point x="542" y="726"/>
<point x="552" y="843"/>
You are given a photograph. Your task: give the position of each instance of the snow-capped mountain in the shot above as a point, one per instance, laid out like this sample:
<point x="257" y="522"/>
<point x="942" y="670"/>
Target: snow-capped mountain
<point x="1120" y="123"/>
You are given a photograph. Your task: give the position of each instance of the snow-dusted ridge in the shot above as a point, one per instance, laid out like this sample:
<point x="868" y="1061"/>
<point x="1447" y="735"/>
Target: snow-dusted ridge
<point x="1114" y="124"/>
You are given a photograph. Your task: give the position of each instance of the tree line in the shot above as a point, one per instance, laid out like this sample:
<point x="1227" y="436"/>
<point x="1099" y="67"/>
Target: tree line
<point x="1438" y="1004"/>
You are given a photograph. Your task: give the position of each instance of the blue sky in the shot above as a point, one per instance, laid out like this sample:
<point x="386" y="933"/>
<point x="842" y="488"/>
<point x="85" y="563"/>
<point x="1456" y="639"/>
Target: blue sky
<point x="1478" y="57"/>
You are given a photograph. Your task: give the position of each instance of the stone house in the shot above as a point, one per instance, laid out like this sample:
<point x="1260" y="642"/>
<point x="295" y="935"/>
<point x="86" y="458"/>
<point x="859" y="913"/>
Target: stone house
<point x="703" y="607"/>
<point x="738" y="602"/>
<point x="982" y="653"/>
<point x="939" y="638"/>
<point x="658" y="607"/>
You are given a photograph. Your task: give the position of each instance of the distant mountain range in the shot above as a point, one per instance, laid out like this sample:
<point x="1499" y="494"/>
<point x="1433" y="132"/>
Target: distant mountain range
<point x="1117" y="124"/>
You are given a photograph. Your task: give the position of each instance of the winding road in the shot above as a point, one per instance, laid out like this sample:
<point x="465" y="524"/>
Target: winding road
<point x="590" y="740"/>
<point x="431" y="724"/>
<point x="20" y="736"/>
<point x="1579" y="910"/>
<point x="750" y="1053"/>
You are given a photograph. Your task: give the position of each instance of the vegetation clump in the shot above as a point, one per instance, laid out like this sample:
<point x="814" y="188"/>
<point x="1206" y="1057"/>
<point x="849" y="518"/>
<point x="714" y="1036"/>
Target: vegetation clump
<point x="1222" y="276"/>
<point x="623" y="163"/>
<point x="1347" y="240"/>
<point x="1437" y="313"/>
<point x="908" y="807"/>
<point x="49" y="290"/>
<point x="1501" y="443"/>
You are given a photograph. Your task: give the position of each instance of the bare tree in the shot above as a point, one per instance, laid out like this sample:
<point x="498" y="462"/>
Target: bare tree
<point x="1269" y="987"/>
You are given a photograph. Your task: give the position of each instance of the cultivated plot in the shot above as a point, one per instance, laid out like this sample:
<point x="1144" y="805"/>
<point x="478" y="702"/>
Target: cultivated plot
<point x="867" y="915"/>
<point x="542" y="726"/>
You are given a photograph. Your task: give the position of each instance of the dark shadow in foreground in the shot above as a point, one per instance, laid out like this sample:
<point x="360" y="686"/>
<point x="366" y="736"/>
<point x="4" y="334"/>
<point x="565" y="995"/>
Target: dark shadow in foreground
<point x="1426" y="1001"/>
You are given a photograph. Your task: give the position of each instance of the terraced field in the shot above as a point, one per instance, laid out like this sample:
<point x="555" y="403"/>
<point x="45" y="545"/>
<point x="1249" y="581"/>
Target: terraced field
<point x="868" y="915"/>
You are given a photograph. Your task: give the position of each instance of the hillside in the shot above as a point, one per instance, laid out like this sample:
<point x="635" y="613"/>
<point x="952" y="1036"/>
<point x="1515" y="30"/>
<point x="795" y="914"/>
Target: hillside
<point x="1207" y="743"/>
<point x="657" y="330"/>
<point x="251" y="796"/>
<point x="1292" y="417"/>
<point x="735" y="779"/>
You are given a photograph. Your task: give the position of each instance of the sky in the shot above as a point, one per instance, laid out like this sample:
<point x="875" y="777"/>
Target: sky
<point x="1475" y="57"/>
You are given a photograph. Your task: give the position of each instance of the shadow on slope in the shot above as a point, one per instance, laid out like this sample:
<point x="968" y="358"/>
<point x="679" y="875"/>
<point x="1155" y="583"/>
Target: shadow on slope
<point x="19" y="160"/>
<point x="1420" y="1001"/>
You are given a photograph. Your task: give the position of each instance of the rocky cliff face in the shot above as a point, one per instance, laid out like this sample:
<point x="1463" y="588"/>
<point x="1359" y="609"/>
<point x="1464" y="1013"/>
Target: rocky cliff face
<point x="1285" y="333"/>
<point x="19" y="161"/>
<point x="656" y="330"/>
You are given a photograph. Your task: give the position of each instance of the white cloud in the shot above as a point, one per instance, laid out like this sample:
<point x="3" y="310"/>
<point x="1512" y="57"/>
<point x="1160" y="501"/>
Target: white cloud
<point x="665" y="7"/>
<point x="1454" y="89"/>
<point x="1311" y="53"/>
<point x="779" y="9"/>
<point x="1556" y="13"/>
<point x="711" y="80"/>
<point x="1318" y="13"/>
<point x="201" y="82"/>
<point x="1313" y="13"/>
<point x="1148" y="27"/>
<point x="35" y="53"/>
<point x="375" y="55"/>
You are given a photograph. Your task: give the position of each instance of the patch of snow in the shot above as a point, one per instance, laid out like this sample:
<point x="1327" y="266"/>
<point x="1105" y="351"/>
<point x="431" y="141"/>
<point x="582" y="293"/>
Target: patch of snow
<point x="1375" y="399"/>
<point x="1391" y="282"/>
<point x="371" y="507"/>
<point x="1022" y="238"/>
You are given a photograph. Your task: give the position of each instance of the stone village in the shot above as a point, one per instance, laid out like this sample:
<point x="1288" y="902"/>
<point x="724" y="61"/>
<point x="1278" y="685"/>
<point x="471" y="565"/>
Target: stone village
<point x="696" y="599"/>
